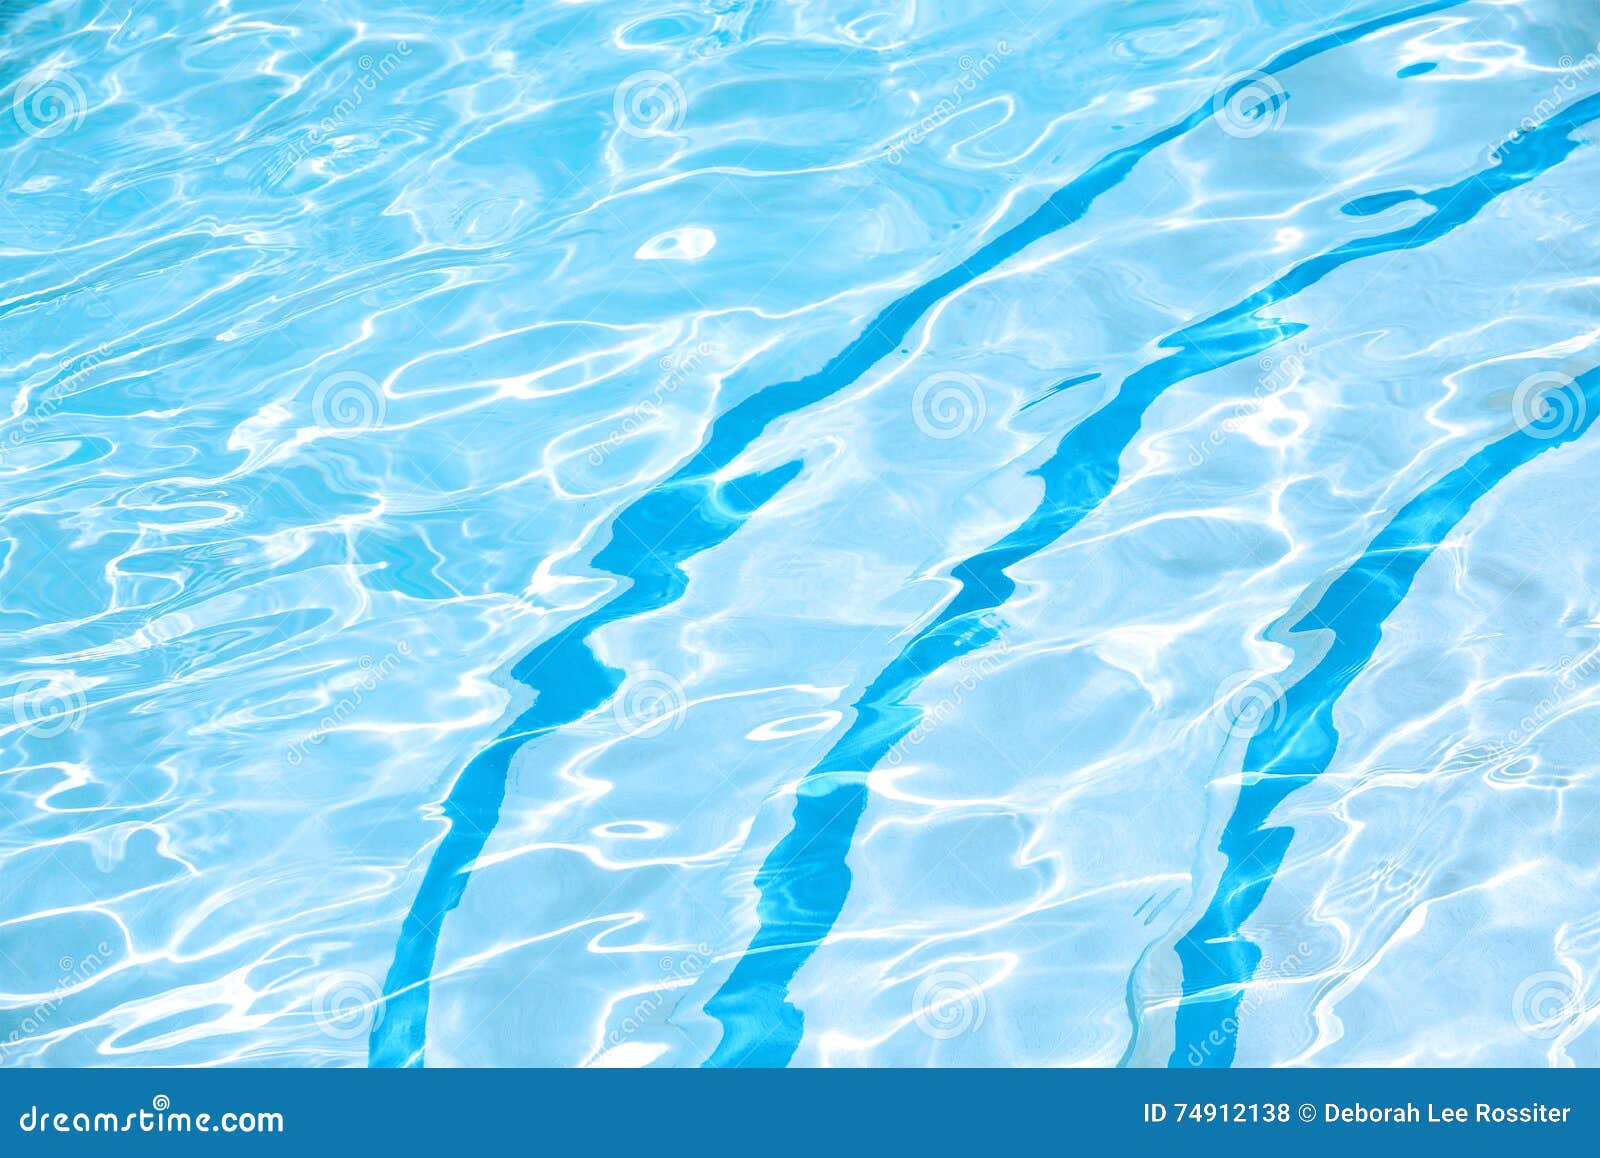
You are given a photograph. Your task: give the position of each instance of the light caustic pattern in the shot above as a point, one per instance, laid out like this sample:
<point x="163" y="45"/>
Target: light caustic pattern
<point x="751" y="535"/>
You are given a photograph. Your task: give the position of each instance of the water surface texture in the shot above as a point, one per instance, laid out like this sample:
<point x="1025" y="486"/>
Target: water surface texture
<point x="758" y="535"/>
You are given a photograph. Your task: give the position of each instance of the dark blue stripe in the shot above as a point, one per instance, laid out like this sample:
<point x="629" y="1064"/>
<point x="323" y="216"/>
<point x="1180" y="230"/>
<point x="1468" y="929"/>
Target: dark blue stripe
<point x="804" y="881"/>
<point x="1299" y="743"/>
<point x="1217" y="960"/>
<point x="682" y="516"/>
<point x="650" y="539"/>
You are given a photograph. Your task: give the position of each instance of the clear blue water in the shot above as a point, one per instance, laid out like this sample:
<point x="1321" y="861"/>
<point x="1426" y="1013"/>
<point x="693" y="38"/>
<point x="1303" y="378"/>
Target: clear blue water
<point x="613" y="534"/>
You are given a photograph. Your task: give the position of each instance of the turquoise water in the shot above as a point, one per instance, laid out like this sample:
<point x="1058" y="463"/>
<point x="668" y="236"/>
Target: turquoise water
<point x="817" y="535"/>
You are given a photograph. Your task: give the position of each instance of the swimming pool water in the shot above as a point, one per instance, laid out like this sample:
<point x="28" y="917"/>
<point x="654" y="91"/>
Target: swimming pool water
<point x="754" y="535"/>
